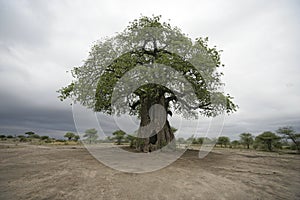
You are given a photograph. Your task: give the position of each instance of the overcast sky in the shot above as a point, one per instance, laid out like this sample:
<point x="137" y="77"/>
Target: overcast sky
<point x="41" y="40"/>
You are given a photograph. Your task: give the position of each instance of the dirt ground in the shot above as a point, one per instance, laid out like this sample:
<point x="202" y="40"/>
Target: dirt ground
<point x="70" y="172"/>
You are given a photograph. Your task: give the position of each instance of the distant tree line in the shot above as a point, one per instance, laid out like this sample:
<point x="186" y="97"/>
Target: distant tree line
<point x="284" y="137"/>
<point x="33" y="137"/>
<point x="27" y="137"/>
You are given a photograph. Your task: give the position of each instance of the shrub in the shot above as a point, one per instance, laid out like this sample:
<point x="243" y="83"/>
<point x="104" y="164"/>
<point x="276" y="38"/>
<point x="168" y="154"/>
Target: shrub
<point x="3" y="137"/>
<point x="22" y="138"/>
<point x="44" y="137"/>
<point x="35" y="136"/>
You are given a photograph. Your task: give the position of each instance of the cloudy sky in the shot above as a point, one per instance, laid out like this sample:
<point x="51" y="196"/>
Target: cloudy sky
<point x="41" y="40"/>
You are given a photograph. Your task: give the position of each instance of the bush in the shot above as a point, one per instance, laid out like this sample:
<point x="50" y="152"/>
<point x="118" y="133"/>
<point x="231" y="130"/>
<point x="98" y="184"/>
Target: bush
<point x="132" y="141"/>
<point x="286" y="147"/>
<point x="293" y="147"/>
<point x="255" y="146"/>
<point x="22" y="138"/>
<point x="278" y="145"/>
<point x="234" y="144"/>
<point x="35" y="136"/>
<point x="195" y="141"/>
<point x="48" y="141"/>
<point x="44" y="137"/>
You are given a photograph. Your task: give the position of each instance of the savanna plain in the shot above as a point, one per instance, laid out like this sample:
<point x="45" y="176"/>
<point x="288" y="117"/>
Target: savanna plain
<point x="71" y="172"/>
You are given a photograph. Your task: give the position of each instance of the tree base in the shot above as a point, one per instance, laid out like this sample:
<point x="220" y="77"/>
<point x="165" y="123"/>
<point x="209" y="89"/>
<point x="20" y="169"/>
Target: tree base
<point x="164" y="137"/>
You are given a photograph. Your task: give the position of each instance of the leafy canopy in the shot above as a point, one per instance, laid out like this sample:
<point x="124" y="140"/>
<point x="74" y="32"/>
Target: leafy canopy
<point x="290" y="134"/>
<point x="119" y="136"/>
<point x="90" y="133"/>
<point x="268" y="140"/>
<point x="149" y="42"/>
<point x="223" y="140"/>
<point x="69" y="135"/>
<point x="246" y="139"/>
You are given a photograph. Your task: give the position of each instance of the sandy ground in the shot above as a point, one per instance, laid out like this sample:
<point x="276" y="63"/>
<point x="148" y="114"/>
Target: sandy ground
<point x="66" y="172"/>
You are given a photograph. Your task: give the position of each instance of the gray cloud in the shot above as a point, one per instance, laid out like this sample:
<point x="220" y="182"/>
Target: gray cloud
<point x="40" y="41"/>
<point x="18" y="113"/>
<point x="24" y="23"/>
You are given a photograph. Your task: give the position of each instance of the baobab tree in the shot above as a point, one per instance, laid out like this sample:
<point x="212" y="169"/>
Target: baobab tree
<point x="151" y="70"/>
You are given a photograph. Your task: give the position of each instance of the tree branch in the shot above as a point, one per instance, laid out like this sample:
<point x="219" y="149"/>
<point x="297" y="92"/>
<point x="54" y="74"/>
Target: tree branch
<point x="135" y="104"/>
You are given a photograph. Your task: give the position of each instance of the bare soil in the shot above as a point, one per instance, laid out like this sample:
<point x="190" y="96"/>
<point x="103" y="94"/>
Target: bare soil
<point x="70" y="172"/>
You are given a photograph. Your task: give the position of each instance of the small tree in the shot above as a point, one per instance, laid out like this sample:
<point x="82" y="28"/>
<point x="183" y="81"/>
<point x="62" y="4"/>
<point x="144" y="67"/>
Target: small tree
<point x="69" y="135"/>
<point x="223" y="141"/>
<point x="290" y="134"/>
<point x="246" y="139"/>
<point x="91" y="135"/>
<point x="119" y="136"/>
<point x="2" y="137"/>
<point x="267" y="140"/>
<point x="194" y="141"/>
<point x="235" y="143"/>
<point x="200" y="140"/>
<point x="76" y="138"/>
<point x="29" y="134"/>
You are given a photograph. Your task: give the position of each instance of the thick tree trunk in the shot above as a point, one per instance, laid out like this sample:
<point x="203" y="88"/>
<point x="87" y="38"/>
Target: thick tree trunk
<point x="159" y="134"/>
